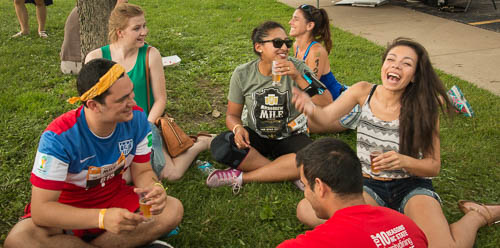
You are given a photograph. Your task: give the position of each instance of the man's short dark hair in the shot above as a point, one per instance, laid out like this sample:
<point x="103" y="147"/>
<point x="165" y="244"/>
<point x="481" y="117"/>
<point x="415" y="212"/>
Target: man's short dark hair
<point x="90" y="74"/>
<point x="334" y="163"/>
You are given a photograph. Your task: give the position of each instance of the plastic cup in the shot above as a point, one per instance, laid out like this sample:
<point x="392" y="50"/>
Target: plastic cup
<point x="144" y="208"/>
<point x="375" y="152"/>
<point x="276" y="75"/>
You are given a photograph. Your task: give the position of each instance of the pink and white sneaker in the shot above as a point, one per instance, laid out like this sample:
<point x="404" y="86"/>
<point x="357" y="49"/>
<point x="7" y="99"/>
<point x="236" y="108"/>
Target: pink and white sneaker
<point x="299" y="184"/>
<point x="226" y="177"/>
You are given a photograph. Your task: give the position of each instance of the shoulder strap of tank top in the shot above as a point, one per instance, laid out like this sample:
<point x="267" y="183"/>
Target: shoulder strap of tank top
<point x="148" y="84"/>
<point x="308" y="48"/>
<point x="106" y="52"/>
<point x="371" y="93"/>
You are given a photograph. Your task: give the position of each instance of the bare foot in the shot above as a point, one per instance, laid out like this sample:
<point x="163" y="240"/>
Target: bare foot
<point x="205" y="140"/>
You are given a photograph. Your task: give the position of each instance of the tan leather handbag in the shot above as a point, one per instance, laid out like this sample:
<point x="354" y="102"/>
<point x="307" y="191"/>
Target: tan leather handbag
<point x="177" y="141"/>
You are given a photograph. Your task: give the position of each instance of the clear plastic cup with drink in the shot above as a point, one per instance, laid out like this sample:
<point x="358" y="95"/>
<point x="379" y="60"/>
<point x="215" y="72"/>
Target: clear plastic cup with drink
<point x="276" y="75"/>
<point x="144" y="207"/>
<point x="375" y="152"/>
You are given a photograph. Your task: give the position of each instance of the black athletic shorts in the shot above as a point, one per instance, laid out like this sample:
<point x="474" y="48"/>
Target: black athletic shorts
<point x="276" y="148"/>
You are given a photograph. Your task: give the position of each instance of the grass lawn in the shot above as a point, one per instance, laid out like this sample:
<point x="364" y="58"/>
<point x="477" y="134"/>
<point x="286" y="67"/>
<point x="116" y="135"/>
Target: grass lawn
<point x="212" y="38"/>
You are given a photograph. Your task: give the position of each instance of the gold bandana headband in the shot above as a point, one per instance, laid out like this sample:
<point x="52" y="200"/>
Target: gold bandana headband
<point x="104" y="83"/>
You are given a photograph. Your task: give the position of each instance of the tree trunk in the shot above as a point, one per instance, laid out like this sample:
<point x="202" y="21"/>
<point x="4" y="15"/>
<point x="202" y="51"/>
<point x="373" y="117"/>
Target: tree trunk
<point x="94" y="16"/>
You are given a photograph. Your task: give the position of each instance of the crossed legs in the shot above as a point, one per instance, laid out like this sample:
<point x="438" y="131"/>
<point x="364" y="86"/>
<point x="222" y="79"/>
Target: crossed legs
<point x="175" y="168"/>
<point x="258" y="168"/>
<point x="27" y="234"/>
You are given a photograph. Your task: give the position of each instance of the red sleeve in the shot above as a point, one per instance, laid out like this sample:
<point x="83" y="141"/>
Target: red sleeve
<point x="46" y="184"/>
<point x="142" y="158"/>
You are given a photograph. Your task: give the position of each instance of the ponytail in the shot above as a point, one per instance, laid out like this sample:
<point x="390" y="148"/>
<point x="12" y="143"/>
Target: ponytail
<point x="321" y="30"/>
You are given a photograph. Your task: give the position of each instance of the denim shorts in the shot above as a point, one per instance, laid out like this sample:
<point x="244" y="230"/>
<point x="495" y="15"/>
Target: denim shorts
<point x="157" y="157"/>
<point x="396" y="193"/>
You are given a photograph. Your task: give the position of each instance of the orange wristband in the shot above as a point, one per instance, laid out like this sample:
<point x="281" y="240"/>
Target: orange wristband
<point x="102" y="212"/>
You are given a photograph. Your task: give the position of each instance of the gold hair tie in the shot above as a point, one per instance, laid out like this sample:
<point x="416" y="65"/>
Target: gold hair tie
<point x="104" y="83"/>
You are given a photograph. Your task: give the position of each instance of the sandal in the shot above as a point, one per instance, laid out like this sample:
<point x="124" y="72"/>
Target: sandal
<point x="43" y="34"/>
<point x="19" y="34"/>
<point x="195" y="137"/>
<point x="211" y="135"/>
<point x="487" y="217"/>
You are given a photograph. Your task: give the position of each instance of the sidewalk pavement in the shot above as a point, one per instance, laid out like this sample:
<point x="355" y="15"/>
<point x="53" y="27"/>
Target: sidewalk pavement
<point x="470" y="53"/>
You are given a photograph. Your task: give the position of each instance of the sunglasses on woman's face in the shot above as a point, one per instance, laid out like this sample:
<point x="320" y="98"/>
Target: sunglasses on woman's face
<point x="278" y="43"/>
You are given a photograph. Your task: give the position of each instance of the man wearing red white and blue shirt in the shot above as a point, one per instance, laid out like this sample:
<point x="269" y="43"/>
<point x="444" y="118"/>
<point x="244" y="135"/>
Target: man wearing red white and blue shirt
<point x="78" y="189"/>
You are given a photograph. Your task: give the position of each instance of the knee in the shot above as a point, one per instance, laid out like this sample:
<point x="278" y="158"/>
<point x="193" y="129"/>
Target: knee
<point x="171" y="175"/>
<point x="174" y="213"/>
<point x="13" y="240"/>
<point x="224" y="150"/>
<point x="178" y="210"/>
<point x="302" y="209"/>
<point x="20" y="235"/>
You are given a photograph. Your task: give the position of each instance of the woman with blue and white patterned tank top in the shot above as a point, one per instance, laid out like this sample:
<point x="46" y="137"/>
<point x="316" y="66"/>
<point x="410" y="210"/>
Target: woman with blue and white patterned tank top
<point x="401" y="116"/>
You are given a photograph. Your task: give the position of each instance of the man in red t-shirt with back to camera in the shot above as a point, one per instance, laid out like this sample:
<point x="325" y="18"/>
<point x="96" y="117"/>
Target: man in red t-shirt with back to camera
<point x="331" y="173"/>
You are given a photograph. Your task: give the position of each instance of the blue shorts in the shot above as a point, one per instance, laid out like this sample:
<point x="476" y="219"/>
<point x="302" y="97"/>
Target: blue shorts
<point x="157" y="157"/>
<point x="396" y="193"/>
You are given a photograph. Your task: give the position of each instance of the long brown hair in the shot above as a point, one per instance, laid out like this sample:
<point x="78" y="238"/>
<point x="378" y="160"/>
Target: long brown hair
<point x="420" y="104"/>
<point x="321" y="30"/>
